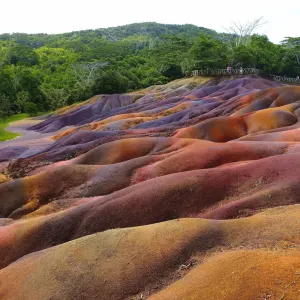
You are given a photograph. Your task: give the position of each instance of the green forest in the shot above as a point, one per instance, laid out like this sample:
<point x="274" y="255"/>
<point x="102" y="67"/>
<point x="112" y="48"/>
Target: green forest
<point x="42" y="72"/>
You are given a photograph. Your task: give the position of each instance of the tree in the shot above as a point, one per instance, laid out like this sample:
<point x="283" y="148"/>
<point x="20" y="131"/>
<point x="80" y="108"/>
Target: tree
<point x="110" y="82"/>
<point x="268" y="55"/>
<point x="21" y="55"/>
<point x="167" y="54"/>
<point x="208" y="53"/>
<point x="31" y="109"/>
<point x="53" y="58"/>
<point x="171" y="71"/>
<point x="85" y="72"/>
<point x="2" y="115"/>
<point x="56" y="98"/>
<point x="243" y="56"/>
<point x="7" y="93"/>
<point x="22" y="99"/>
<point x="187" y="65"/>
<point x="30" y="83"/>
<point x="240" y="33"/>
<point x="7" y="87"/>
<point x="292" y="44"/>
<point x="5" y="106"/>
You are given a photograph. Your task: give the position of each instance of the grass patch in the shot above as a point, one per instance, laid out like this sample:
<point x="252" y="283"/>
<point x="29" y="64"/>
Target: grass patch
<point x="6" y="135"/>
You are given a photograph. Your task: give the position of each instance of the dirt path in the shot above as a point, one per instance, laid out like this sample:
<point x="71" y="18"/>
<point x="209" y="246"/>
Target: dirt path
<point x="28" y="138"/>
<point x="28" y="143"/>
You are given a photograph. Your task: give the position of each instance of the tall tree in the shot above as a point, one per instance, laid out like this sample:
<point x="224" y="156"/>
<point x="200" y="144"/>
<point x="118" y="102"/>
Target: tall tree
<point x="293" y="45"/>
<point x="268" y="55"/>
<point x="85" y="73"/>
<point x="208" y="53"/>
<point x="240" y="33"/>
<point x="18" y="54"/>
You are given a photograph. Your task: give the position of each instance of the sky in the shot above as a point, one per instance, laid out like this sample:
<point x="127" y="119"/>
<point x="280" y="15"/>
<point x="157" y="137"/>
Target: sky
<point x="58" y="16"/>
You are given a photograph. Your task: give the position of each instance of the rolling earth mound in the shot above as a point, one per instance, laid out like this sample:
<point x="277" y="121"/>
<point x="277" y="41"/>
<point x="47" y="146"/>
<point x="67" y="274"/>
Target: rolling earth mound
<point x="184" y="191"/>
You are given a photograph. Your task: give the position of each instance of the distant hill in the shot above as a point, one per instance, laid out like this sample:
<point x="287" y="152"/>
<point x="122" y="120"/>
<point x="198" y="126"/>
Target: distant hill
<point x="150" y="29"/>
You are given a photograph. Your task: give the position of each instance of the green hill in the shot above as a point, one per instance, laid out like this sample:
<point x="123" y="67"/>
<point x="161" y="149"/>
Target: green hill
<point x="53" y="70"/>
<point x="149" y="29"/>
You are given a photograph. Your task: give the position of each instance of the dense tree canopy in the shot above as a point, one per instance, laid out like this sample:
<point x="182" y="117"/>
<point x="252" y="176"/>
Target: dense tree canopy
<point x="50" y="71"/>
<point x="208" y="53"/>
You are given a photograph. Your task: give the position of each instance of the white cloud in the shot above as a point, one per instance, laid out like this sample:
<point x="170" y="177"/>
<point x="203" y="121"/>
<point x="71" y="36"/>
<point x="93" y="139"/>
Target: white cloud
<point x="56" y="16"/>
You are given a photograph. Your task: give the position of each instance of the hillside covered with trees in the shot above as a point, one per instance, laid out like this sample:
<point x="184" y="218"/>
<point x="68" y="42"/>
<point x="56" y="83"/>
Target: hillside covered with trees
<point x="41" y="72"/>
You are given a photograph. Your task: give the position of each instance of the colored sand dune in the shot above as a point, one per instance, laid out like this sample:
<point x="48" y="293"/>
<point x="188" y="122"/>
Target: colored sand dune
<point x="184" y="191"/>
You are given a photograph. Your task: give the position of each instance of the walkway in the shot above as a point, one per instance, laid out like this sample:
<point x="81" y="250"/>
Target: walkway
<point x="224" y="72"/>
<point x="245" y="71"/>
<point x="285" y="79"/>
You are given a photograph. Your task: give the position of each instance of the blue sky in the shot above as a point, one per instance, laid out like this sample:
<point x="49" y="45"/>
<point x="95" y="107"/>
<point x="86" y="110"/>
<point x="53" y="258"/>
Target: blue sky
<point x="57" y="16"/>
